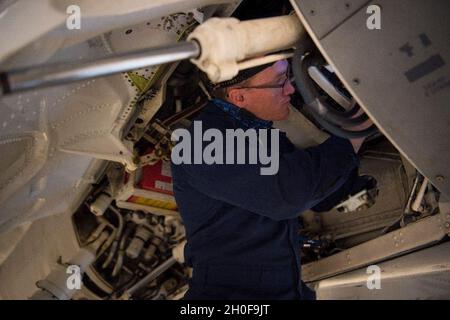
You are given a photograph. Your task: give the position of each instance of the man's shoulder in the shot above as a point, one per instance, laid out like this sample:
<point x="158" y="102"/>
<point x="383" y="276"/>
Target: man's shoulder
<point x="213" y="117"/>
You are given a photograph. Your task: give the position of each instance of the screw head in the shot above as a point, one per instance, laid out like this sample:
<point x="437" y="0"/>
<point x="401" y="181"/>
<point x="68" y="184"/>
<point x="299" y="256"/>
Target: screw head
<point x="355" y="81"/>
<point x="447" y="225"/>
<point x="440" y="178"/>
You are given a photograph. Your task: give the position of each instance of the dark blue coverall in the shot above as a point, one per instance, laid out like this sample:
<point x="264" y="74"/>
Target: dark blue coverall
<point x="241" y="226"/>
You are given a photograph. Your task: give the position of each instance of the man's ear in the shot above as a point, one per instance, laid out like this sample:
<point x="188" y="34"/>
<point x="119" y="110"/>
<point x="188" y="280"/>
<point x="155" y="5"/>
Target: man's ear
<point x="235" y="96"/>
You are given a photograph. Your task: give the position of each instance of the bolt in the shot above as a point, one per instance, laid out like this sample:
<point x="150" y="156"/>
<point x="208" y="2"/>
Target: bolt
<point x="312" y="12"/>
<point x="440" y="178"/>
<point x="355" y="81"/>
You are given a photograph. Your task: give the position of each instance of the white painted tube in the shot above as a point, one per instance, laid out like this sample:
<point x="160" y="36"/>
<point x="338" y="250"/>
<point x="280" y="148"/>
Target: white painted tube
<point x="418" y="201"/>
<point x="226" y="42"/>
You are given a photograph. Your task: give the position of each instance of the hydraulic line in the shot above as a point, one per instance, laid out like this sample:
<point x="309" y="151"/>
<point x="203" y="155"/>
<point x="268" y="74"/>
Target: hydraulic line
<point x="327" y="117"/>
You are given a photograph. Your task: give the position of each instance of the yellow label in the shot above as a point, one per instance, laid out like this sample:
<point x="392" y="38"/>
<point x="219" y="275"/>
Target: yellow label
<point x="169" y="205"/>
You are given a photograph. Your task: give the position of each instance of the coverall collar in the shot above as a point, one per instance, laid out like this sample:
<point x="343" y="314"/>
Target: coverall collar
<point x="246" y="118"/>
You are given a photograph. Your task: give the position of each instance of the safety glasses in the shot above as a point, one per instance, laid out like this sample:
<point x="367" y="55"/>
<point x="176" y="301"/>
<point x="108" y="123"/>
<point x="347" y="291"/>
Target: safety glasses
<point x="283" y="86"/>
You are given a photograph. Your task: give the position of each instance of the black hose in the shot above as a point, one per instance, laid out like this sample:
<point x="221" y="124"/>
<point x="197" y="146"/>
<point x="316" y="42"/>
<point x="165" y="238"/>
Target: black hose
<point x="327" y="117"/>
<point x="323" y="108"/>
<point x="350" y="113"/>
<point x="347" y="134"/>
<point x="330" y="114"/>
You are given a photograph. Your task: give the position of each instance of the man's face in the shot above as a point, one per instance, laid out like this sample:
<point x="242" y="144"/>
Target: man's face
<point x="271" y="102"/>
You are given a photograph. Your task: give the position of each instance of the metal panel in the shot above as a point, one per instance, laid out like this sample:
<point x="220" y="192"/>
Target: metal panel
<point x="420" y="275"/>
<point x="34" y="253"/>
<point x="400" y="76"/>
<point x="53" y="137"/>
<point x="422" y="233"/>
<point x="49" y="18"/>
<point x="387" y="208"/>
<point x="325" y="15"/>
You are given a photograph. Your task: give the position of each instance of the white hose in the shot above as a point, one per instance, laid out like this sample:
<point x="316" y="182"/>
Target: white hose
<point x="418" y="201"/>
<point x="227" y="42"/>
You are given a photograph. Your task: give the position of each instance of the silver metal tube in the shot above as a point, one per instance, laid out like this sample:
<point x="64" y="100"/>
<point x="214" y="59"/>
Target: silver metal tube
<point x="418" y="201"/>
<point x="120" y="220"/>
<point x="48" y="75"/>
<point x="151" y="276"/>
<point x="411" y="195"/>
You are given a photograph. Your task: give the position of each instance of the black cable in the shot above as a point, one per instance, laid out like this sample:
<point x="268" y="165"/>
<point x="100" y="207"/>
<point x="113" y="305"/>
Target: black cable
<point x="322" y="107"/>
<point x="316" y="106"/>
<point x="348" y="134"/>
<point x="350" y="113"/>
<point x="329" y="114"/>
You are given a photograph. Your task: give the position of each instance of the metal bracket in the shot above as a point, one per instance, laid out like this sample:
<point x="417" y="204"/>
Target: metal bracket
<point x="360" y="201"/>
<point x="416" y="235"/>
<point x="160" y="137"/>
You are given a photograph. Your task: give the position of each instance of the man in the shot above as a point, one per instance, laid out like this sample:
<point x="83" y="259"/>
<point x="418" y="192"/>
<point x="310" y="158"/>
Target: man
<point x="242" y="227"/>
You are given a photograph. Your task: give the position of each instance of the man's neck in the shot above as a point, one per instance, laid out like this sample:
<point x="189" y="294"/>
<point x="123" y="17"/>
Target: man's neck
<point x="244" y="116"/>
